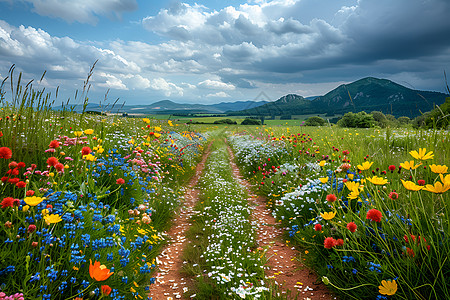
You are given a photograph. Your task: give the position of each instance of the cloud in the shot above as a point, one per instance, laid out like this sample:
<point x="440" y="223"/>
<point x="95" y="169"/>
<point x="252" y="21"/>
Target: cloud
<point x="83" y="11"/>
<point x="216" y="85"/>
<point x="218" y="95"/>
<point x="168" y="88"/>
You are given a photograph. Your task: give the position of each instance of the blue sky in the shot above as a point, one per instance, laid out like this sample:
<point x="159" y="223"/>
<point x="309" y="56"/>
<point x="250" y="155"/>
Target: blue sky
<point x="214" y="51"/>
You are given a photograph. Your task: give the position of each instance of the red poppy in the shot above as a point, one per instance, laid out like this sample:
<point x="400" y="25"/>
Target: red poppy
<point x="54" y="144"/>
<point x="120" y="181"/>
<point x="339" y="242"/>
<point x="85" y="151"/>
<point x="30" y="193"/>
<point x="391" y="168"/>
<point x="13" y="180"/>
<point x="393" y="195"/>
<point x="317" y="227"/>
<point x="331" y="198"/>
<point x="52" y="161"/>
<point x="9" y="202"/>
<point x="374" y="215"/>
<point x="106" y="290"/>
<point x="345" y="152"/>
<point x="59" y="167"/>
<point x="352" y="226"/>
<point x="329" y="243"/>
<point x="4" y="179"/>
<point x="5" y="153"/>
<point x="21" y="165"/>
<point x="31" y="228"/>
<point x="21" y="184"/>
<point x="421" y="182"/>
<point x="410" y="252"/>
<point x="12" y="165"/>
<point x="1" y="134"/>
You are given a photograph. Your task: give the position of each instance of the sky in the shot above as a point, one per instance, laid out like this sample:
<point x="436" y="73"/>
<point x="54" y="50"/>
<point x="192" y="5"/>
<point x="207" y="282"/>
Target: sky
<point x="222" y="51"/>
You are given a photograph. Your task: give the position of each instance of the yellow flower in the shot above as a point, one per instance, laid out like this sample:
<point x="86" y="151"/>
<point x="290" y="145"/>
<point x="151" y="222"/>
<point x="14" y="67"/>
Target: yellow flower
<point x="322" y="163"/>
<point x="328" y="215"/>
<point x="365" y="166"/>
<point x="157" y="128"/>
<point x="33" y="201"/>
<point x="409" y="165"/>
<point x="90" y="157"/>
<point x="78" y="133"/>
<point x="377" y="180"/>
<point x="50" y="219"/>
<point x="146" y="120"/>
<point x="350" y="176"/>
<point x="170" y="123"/>
<point x="157" y="135"/>
<point x="437" y="188"/>
<point x="352" y="185"/>
<point x="323" y="179"/>
<point x="409" y="185"/>
<point x="446" y="179"/>
<point x="25" y="208"/>
<point x="354" y="194"/>
<point x="422" y="154"/>
<point x="89" y="131"/>
<point x="439" y="169"/>
<point x="45" y="212"/>
<point x="388" y="287"/>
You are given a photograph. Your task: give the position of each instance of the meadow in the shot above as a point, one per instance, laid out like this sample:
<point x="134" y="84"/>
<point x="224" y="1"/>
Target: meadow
<point x="85" y="200"/>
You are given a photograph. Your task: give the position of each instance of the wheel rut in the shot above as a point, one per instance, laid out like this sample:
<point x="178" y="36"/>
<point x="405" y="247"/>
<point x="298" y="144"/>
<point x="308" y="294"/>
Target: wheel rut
<point x="170" y="282"/>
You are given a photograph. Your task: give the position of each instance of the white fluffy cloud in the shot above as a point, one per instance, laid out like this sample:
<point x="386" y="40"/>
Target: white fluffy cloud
<point x="216" y="85"/>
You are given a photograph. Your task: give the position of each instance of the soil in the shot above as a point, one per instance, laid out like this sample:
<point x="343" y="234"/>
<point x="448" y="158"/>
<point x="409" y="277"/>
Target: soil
<point x="170" y="283"/>
<point x="294" y="279"/>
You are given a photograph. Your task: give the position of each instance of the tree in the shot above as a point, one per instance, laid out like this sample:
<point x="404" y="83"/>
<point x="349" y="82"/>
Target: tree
<point x="251" y="122"/>
<point x="315" y="121"/>
<point x="358" y="120"/>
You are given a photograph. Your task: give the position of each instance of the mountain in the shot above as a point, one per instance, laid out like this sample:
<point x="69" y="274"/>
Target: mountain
<point x="168" y="107"/>
<point x="367" y="94"/>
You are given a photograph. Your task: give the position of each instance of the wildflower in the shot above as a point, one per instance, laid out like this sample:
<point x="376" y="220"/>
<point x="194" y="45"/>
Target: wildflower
<point x="365" y="166"/>
<point x="52" y="161"/>
<point x="409" y="185"/>
<point x="85" y="151"/>
<point x="339" y="242"/>
<point x="388" y="287"/>
<point x="345" y="152"/>
<point x="33" y="201"/>
<point x="31" y="228"/>
<point x="446" y="179"/>
<point x="25" y="208"/>
<point x="59" y="167"/>
<point x="350" y="176"/>
<point x="422" y="155"/>
<point x="323" y="179"/>
<point x="8" y="224"/>
<point x="89" y="131"/>
<point x="393" y="195"/>
<point x="317" y="227"/>
<point x="9" y="202"/>
<point x="439" y="169"/>
<point x="50" y="219"/>
<point x="329" y="243"/>
<point x="345" y="166"/>
<point x="352" y="185"/>
<point x="106" y="290"/>
<point x="331" y="197"/>
<point x="391" y="168"/>
<point x="410" y="252"/>
<point x="78" y="133"/>
<point x="29" y="193"/>
<point x="54" y="144"/>
<point x="437" y="188"/>
<point x="90" y="157"/>
<point x="409" y="165"/>
<point x="322" y="163"/>
<point x="377" y="180"/>
<point x="5" y="153"/>
<point x="421" y="182"/>
<point x="328" y="215"/>
<point x="170" y="123"/>
<point x="120" y="181"/>
<point x="21" y="184"/>
<point x="374" y="215"/>
<point x="352" y="226"/>
<point x="98" y="272"/>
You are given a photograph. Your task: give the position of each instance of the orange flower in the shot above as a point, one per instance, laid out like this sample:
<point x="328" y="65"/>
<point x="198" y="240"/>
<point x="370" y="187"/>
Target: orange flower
<point x="106" y="290"/>
<point x="98" y="272"/>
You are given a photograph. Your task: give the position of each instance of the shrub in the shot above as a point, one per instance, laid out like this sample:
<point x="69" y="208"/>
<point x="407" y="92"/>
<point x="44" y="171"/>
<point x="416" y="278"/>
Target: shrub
<point x="251" y="122"/>
<point x="315" y="121"/>
<point x="357" y="120"/>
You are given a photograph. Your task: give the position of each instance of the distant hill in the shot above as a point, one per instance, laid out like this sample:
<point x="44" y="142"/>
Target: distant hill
<point x="169" y="107"/>
<point x="367" y="94"/>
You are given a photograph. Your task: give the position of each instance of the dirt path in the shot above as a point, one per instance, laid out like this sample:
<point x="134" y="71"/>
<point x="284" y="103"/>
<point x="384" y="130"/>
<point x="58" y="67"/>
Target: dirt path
<point x="287" y="272"/>
<point x="170" y="284"/>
